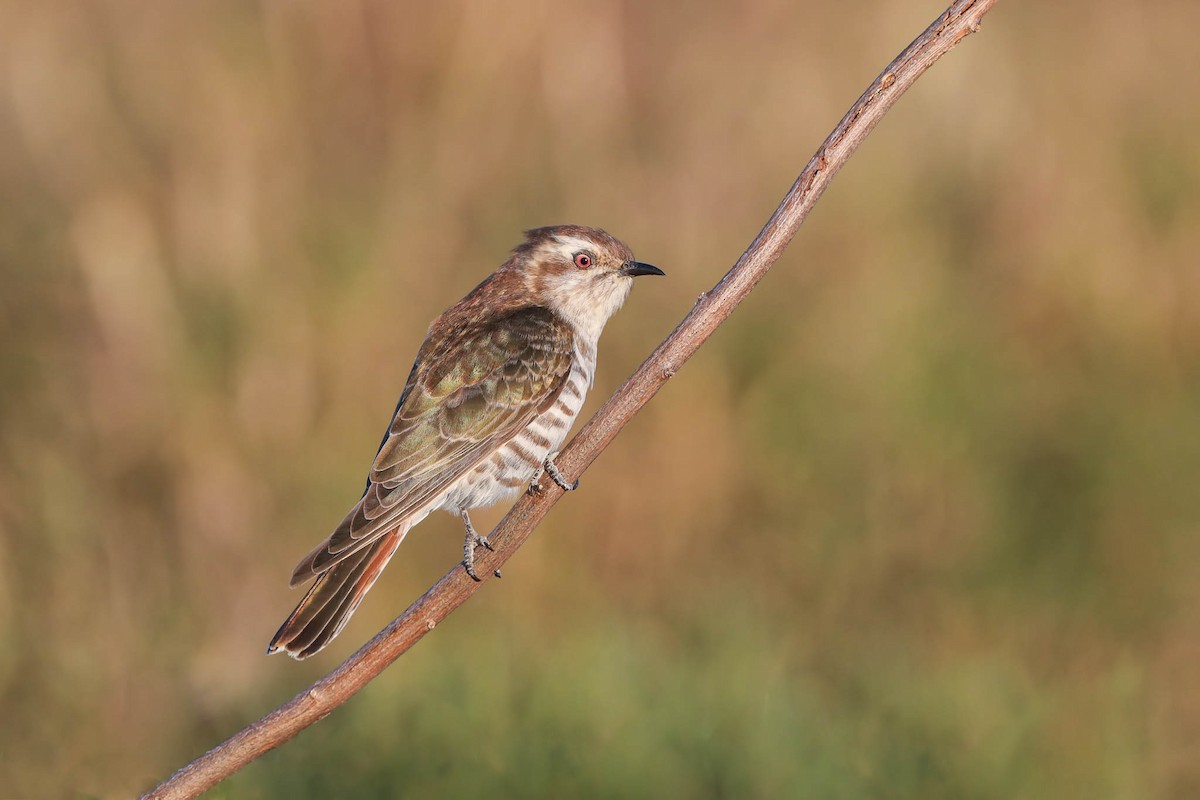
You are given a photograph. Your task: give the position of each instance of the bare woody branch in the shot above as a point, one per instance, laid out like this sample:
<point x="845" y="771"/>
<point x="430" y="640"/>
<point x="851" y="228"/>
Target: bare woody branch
<point x="952" y="26"/>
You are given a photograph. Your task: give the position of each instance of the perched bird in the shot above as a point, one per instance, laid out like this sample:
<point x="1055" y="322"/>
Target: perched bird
<point x="494" y="389"/>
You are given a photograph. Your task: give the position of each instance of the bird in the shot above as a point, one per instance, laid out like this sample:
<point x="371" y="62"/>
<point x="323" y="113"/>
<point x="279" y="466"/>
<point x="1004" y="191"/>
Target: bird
<point x="496" y="385"/>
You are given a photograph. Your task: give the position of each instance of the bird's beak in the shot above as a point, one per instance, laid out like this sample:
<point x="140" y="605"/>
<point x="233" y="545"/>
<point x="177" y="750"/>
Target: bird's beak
<point x="635" y="268"/>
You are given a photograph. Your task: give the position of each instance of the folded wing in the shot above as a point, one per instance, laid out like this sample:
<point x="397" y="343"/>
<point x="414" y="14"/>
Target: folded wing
<point x="474" y="387"/>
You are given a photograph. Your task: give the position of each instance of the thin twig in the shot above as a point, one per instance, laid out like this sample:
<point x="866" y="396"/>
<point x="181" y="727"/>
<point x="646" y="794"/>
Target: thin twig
<point x="958" y="21"/>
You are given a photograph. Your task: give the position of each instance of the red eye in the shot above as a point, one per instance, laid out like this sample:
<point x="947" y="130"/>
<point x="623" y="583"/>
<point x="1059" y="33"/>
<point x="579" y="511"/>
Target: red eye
<point x="583" y="260"/>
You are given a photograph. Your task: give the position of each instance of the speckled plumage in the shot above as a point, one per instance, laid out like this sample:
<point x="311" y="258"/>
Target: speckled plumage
<point x="494" y="389"/>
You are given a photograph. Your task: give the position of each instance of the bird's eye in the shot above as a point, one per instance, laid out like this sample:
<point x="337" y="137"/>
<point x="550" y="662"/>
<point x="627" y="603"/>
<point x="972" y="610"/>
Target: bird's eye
<point x="583" y="260"/>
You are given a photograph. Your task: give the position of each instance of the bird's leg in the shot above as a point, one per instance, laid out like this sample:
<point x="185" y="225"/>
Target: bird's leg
<point x="557" y="476"/>
<point x="473" y="539"/>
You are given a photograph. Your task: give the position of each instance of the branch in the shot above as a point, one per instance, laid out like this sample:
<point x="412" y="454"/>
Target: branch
<point x="952" y="26"/>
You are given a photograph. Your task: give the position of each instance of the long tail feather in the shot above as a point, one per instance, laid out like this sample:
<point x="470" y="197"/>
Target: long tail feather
<point x="333" y="598"/>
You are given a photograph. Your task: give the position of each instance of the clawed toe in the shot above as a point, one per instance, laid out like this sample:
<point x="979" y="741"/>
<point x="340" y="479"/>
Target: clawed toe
<point x="472" y="541"/>
<point x="556" y="475"/>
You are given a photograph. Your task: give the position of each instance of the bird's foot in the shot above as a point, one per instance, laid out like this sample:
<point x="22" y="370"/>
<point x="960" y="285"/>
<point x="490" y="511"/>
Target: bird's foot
<point x="555" y="474"/>
<point x="472" y="541"/>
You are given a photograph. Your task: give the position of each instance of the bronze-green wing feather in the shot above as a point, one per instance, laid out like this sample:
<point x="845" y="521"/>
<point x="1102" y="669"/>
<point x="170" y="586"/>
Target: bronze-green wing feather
<point x="475" y="386"/>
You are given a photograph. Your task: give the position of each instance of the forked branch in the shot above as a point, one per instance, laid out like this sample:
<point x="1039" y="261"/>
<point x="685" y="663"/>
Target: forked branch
<point x="952" y="26"/>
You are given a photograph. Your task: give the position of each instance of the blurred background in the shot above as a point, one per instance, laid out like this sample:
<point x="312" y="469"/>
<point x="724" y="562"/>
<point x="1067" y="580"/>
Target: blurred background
<point x="922" y="520"/>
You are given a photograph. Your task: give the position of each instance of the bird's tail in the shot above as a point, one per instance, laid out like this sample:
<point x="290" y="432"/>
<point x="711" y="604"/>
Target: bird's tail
<point x="331" y="601"/>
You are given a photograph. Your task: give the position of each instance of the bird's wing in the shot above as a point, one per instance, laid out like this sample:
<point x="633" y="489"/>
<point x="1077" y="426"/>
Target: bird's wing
<point x="472" y="389"/>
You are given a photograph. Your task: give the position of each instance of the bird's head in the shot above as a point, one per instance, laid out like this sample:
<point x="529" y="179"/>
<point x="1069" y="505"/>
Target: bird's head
<point x="582" y="274"/>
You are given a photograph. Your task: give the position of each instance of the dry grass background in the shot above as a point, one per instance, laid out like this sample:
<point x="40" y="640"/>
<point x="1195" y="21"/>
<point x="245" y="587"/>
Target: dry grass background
<point x="921" y="521"/>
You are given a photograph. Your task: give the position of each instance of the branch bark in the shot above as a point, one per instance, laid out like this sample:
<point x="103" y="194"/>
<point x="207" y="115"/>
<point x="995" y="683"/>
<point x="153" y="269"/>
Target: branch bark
<point x="714" y="307"/>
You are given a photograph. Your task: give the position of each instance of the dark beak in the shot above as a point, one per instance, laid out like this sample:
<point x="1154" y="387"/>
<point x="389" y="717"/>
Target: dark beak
<point x="635" y="268"/>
